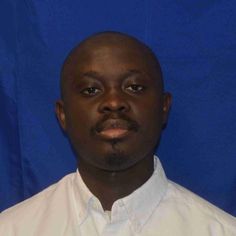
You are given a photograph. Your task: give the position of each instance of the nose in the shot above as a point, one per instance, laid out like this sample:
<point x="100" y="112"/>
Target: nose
<point x="114" y="101"/>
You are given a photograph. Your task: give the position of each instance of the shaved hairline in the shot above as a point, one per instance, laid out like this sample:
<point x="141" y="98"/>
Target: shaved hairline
<point x="106" y="37"/>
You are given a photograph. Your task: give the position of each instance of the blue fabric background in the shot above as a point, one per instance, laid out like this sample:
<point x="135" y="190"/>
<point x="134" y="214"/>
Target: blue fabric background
<point x="196" y="44"/>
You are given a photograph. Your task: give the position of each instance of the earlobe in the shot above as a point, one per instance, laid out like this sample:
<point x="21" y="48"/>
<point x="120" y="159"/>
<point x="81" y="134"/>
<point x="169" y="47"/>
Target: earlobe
<point x="59" y="109"/>
<point x="167" y="99"/>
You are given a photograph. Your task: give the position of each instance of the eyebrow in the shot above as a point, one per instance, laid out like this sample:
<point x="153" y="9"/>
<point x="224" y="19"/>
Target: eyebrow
<point x="132" y="72"/>
<point x="96" y="75"/>
<point x="92" y="74"/>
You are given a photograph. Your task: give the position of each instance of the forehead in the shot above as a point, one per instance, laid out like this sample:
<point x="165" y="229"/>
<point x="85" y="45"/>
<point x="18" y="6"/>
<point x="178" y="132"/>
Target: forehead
<point x="113" y="57"/>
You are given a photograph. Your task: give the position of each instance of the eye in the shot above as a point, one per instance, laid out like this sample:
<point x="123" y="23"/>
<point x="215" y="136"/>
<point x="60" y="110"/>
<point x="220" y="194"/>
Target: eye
<point x="135" y="88"/>
<point x="90" y="91"/>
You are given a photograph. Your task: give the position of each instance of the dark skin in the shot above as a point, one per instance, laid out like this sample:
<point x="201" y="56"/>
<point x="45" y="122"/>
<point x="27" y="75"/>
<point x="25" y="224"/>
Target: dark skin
<point x="113" y="109"/>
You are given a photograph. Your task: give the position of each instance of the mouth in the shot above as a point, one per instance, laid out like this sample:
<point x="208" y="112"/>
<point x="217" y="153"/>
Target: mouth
<point x="114" y="133"/>
<point x="114" y="129"/>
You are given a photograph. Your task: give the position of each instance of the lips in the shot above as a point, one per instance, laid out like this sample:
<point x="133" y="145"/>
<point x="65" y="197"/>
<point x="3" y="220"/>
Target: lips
<point x="114" y="133"/>
<point x="114" y="129"/>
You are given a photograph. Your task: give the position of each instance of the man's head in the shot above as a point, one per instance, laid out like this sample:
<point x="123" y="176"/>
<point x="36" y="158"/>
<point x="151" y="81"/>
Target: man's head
<point x="113" y="106"/>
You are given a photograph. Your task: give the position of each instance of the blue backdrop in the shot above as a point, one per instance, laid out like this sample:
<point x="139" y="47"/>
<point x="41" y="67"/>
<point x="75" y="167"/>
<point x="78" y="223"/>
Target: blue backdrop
<point x="196" y="44"/>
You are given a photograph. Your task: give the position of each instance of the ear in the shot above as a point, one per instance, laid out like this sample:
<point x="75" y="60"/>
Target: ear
<point x="167" y="100"/>
<point x="60" y="112"/>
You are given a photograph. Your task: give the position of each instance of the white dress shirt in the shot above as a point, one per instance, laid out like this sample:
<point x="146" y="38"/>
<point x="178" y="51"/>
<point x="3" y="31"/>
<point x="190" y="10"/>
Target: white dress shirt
<point x="158" y="208"/>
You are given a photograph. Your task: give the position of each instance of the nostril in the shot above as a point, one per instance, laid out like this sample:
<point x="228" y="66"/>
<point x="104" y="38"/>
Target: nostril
<point x="113" y="106"/>
<point x="122" y="108"/>
<point x="106" y="109"/>
<point x="110" y="109"/>
<point x="114" y="101"/>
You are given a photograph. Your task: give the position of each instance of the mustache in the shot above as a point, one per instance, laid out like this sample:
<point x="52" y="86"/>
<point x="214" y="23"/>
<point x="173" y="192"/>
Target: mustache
<point x="121" y="119"/>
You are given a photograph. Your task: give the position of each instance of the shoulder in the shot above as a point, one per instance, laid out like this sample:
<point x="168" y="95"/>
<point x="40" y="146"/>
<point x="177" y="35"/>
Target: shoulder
<point x="197" y="210"/>
<point x="40" y="205"/>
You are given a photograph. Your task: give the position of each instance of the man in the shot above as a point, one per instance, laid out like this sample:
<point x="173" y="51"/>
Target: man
<point x="113" y="108"/>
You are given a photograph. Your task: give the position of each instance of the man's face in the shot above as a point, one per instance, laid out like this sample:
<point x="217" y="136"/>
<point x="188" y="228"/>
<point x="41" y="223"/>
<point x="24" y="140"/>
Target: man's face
<point x="113" y="109"/>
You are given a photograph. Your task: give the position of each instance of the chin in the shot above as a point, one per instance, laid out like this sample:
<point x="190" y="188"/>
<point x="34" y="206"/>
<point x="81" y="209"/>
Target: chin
<point x="116" y="161"/>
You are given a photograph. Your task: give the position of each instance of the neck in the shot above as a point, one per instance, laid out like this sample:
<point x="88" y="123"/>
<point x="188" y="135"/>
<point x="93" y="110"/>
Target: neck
<point x="109" y="186"/>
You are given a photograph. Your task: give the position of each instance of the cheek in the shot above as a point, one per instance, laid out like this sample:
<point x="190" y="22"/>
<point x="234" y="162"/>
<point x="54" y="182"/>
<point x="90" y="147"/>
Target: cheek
<point x="148" y="114"/>
<point x="150" y="120"/>
<point x="79" y="119"/>
<point x="80" y="111"/>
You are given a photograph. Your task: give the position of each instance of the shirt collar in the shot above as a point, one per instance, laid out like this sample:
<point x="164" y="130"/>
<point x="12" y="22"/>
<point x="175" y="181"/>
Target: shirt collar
<point x="82" y="197"/>
<point x="138" y="206"/>
<point x="142" y="202"/>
